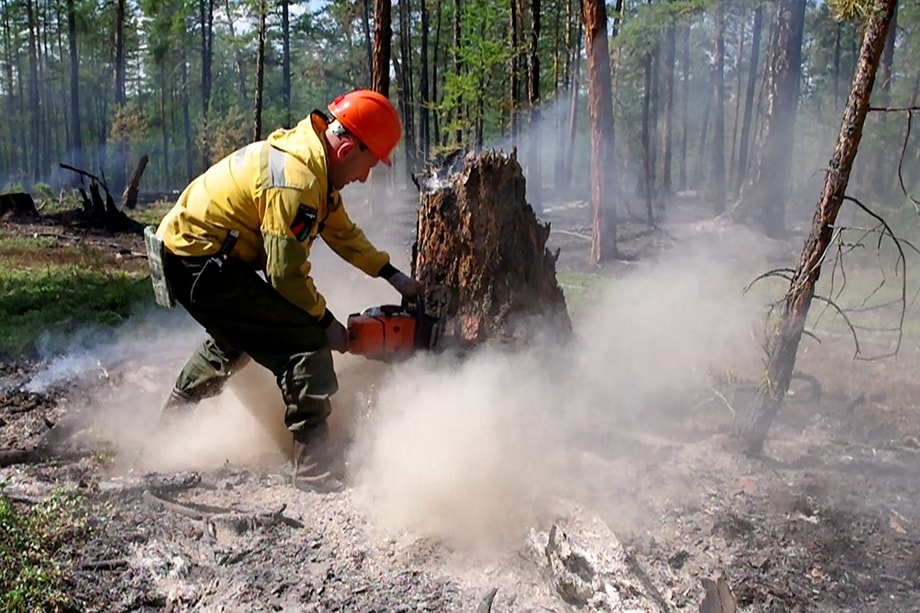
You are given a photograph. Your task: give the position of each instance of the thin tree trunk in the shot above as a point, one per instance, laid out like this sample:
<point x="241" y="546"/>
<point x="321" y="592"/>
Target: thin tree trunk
<point x="515" y="93"/>
<point x="383" y="37"/>
<point x="573" y="108"/>
<point x="458" y="71"/>
<point x="34" y="100"/>
<point x="667" y="111"/>
<point x="600" y="109"/>
<point x="533" y="166"/>
<point x="76" y="135"/>
<point x="186" y="118"/>
<point x="744" y="144"/>
<point x="732" y="169"/>
<point x="837" y="65"/>
<point x="260" y="73"/>
<point x="238" y="57"/>
<point x="404" y="74"/>
<point x="766" y="193"/>
<point x="883" y="177"/>
<point x="785" y="342"/>
<point x="206" y="22"/>
<point x="121" y="95"/>
<point x="647" y="138"/>
<point x="684" y="109"/>
<point x="286" y="56"/>
<point x="424" y="128"/>
<point x="718" y="131"/>
<point x="436" y="57"/>
<point x="368" y="41"/>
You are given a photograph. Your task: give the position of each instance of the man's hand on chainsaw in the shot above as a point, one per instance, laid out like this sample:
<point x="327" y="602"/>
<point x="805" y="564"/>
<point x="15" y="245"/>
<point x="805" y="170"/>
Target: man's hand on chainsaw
<point x="406" y="285"/>
<point x="337" y="336"/>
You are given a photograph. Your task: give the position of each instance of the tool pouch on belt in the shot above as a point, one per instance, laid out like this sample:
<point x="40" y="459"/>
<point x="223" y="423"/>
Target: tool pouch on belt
<point x="155" y="250"/>
<point x="213" y="264"/>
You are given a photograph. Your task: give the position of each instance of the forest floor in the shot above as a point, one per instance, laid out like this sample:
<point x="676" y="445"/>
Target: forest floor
<point x="827" y="520"/>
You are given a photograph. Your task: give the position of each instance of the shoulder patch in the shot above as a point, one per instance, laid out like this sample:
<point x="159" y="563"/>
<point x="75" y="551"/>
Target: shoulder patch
<point x="303" y="222"/>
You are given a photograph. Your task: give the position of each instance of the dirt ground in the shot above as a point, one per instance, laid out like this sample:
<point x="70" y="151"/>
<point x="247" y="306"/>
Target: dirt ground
<point x="827" y="520"/>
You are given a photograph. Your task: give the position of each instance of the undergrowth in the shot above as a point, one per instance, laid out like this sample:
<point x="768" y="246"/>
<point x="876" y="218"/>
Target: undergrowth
<point x="33" y="553"/>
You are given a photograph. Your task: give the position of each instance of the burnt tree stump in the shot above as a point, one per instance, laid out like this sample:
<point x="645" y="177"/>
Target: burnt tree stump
<point x="18" y="205"/>
<point x="481" y="253"/>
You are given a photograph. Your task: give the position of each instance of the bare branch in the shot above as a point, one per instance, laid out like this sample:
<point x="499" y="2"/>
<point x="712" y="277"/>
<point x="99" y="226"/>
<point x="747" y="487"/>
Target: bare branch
<point x="782" y="273"/>
<point x="894" y="109"/>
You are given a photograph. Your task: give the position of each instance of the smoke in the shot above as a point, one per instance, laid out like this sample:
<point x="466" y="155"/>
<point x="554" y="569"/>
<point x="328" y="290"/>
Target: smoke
<point x="471" y="451"/>
<point x="474" y="451"/>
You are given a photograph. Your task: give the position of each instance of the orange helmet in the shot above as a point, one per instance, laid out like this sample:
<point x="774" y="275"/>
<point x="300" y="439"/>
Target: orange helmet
<point x="370" y="116"/>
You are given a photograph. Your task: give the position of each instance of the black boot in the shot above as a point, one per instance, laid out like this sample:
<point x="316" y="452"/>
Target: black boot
<point x="317" y="465"/>
<point x="177" y="406"/>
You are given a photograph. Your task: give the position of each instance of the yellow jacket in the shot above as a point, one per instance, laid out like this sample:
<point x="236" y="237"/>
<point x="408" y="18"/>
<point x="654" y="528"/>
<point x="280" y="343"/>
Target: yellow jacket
<point x="276" y="193"/>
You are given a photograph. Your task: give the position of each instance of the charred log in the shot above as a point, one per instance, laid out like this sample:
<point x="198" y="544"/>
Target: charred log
<point x="482" y="253"/>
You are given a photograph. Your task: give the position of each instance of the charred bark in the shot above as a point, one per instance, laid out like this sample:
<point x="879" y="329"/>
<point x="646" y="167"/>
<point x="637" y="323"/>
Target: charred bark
<point x="129" y="197"/>
<point x="784" y="342"/>
<point x="18" y="205"/>
<point x="99" y="210"/>
<point x="482" y="256"/>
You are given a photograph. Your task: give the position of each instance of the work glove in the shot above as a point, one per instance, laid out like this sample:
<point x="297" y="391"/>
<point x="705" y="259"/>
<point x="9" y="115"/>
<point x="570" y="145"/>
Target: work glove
<point x="337" y="336"/>
<point x="406" y="285"/>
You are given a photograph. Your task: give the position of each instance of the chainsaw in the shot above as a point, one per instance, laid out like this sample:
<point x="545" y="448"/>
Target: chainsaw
<point x="392" y="332"/>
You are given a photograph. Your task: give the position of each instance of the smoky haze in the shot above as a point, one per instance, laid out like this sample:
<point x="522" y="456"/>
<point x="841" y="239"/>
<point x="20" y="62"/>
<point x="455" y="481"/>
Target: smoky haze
<point x="471" y="452"/>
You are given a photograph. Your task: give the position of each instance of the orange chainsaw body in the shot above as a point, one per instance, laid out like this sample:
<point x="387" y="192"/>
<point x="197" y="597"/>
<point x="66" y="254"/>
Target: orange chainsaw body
<point x="389" y="332"/>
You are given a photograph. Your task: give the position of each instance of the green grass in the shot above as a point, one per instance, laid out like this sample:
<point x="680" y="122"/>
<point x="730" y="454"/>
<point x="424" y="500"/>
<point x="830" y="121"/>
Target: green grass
<point x="33" y="546"/>
<point x="581" y="289"/>
<point x="51" y="302"/>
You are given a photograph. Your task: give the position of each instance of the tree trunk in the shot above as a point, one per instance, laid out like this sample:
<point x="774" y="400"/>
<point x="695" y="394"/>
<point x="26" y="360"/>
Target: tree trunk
<point x="732" y="169"/>
<point x="206" y="21"/>
<point x="76" y="129"/>
<point x="717" y="181"/>
<point x="121" y="95"/>
<point x="785" y="341"/>
<point x="186" y="118"/>
<point x="424" y="132"/>
<point x="884" y="175"/>
<point x="368" y="41"/>
<point x="458" y="71"/>
<point x="404" y="74"/>
<point x="647" y="179"/>
<point x="533" y="161"/>
<point x="435" y="64"/>
<point x="767" y="190"/>
<point x="684" y="110"/>
<point x="482" y="256"/>
<point x="744" y="144"/>
<point x="515" y="93"/>
<point x="286" y="56"/>
<point x="34" y="100"/>
<point x="383" y="40"/>
<point x="238" y="57"/>
<point x="600" y="108"/>
<point x="129" y="197"/>
<point x="260" y="73"/>
<point x="667" y="110"/>
<point x="566" y="181"/>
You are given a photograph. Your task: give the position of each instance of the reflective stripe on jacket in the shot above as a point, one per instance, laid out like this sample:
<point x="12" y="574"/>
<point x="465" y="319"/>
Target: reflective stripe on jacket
<point x="277" y="195"/>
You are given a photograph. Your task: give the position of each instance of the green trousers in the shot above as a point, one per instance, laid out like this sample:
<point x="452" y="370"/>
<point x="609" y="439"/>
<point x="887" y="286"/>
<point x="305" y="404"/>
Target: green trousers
<point x="246" y="318"/>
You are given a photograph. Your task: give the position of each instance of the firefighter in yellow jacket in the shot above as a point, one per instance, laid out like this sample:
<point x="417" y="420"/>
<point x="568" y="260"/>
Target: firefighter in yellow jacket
<point x="259" y="210"/>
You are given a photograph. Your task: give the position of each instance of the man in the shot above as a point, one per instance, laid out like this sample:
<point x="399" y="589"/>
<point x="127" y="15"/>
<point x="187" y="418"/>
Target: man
<point x="260" y="209"/>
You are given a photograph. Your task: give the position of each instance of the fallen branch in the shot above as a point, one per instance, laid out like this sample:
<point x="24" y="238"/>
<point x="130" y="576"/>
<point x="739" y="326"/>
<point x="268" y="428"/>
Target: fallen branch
<point x="104" y="564"/>
<point x="239" y="522"/>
